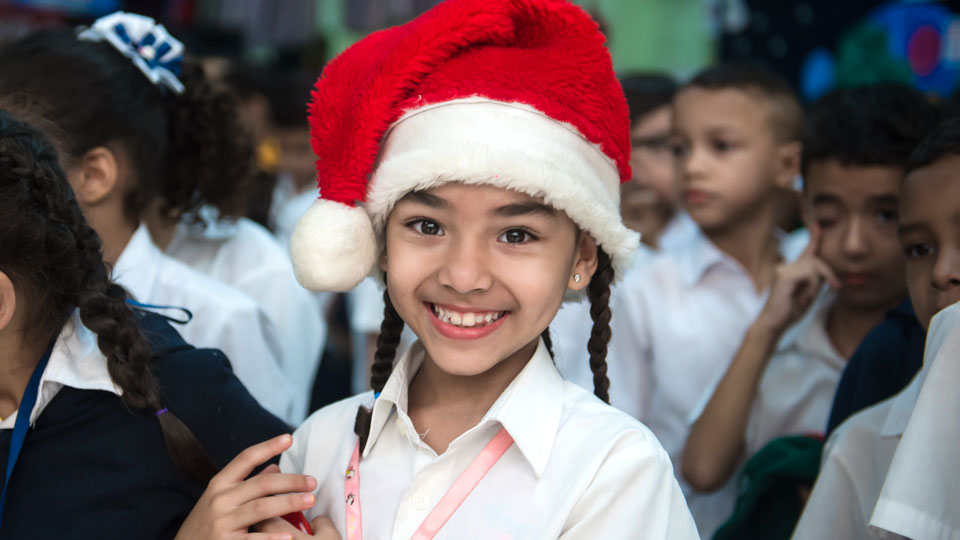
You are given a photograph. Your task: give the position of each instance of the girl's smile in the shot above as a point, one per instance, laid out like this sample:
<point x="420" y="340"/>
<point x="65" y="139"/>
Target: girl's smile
<point x="460" y="323"/>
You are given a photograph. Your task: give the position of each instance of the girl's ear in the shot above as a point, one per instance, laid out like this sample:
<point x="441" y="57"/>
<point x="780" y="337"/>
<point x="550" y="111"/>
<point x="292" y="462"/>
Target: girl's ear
<point x="95" y="176"/>
<point x="584" y="263"/>
<point x="8" y="300"/>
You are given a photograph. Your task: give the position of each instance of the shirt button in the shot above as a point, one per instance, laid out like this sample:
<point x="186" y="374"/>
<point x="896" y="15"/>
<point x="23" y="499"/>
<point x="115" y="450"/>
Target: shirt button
<point x="421" y="500"/>
<point x="401" y="428"/>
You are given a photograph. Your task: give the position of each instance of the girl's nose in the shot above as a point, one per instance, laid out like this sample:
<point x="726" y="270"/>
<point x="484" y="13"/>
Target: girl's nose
<point x="465" y="269"/>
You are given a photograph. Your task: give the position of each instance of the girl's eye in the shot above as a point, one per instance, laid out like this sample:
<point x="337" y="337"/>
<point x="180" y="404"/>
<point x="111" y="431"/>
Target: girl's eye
<point x="917" y="251"/>
<point x="516" y="236"/>
<point x="427" y="227"/>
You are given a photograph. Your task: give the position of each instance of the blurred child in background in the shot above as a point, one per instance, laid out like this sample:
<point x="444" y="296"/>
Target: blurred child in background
<point x="679" y="318"/>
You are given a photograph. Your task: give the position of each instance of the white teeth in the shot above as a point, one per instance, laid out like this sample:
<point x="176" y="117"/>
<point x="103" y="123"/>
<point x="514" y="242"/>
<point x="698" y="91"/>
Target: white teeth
<point x="466" y="320"/>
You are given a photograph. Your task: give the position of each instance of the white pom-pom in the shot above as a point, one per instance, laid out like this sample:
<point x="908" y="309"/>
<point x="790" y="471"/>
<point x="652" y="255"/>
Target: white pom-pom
<point x="333" y="247"/>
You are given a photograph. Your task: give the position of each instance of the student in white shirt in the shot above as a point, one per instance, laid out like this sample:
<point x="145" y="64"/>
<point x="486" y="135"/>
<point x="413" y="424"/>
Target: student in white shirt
<point x="122" y="139"/>
<point x="859" y="454"/>
<point x="783" y="377"/>
<point x="492" y="198"/>
<point x="242" y="253"/>
<point x="681" y="316"/>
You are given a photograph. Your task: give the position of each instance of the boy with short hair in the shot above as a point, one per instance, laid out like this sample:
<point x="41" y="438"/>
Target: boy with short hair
<point x="679" y="318"/>
<point x="858" y="455"/>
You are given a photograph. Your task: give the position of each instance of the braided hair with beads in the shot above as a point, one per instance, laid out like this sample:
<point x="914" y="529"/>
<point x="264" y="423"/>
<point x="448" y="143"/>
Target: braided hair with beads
<point x="54" y="259"/>
<point x="598" y="293"/>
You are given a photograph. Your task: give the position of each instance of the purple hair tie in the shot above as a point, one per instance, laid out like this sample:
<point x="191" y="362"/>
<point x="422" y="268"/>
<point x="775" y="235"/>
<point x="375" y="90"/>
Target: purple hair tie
<point x="161" y="411"/>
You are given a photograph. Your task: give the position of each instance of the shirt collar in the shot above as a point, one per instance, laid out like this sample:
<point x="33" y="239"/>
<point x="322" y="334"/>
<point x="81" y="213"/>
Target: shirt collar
<point x="529" y="408"/>
<point x="76" y="361"/>
<point x="138" y="264"/>
<point x="809" y="334"/>
<point x="699" y="255"/>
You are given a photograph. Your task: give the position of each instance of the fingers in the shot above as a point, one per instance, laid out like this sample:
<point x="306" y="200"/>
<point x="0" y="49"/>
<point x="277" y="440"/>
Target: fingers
<point x="813" y="245"/>
<point x="248" y="460"/>
<point x="266" y="484"/>
<point x="266" y="508"/>
<point x="827" y="273"/>
<point x="269" y="536"/>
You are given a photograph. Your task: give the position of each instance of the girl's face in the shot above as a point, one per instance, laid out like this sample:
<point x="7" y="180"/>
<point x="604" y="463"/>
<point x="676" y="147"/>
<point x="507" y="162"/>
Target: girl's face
<point x="478" y="272"/>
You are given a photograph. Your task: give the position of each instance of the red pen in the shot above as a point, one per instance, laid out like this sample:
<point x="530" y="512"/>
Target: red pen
<point x="298" y="520"/>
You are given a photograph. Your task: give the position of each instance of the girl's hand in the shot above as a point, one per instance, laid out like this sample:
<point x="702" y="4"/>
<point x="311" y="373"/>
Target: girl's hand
<point x="795" y="287"/>
<point x="322" y="528"/>
<point x="231" y="505"/>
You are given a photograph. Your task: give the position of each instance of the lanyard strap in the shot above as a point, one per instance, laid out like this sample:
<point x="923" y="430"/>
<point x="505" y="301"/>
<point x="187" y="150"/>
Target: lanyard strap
<point x="22" y="423"/>
<point x="448" y="504"/>
<point x="155" y="309"/>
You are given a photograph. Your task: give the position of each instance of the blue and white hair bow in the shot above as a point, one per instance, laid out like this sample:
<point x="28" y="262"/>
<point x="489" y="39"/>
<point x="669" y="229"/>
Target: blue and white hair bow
<point x="148" y="44"/>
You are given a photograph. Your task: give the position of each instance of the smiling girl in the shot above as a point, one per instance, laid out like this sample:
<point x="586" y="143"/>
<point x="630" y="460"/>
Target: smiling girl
<point x="494" y="136"/>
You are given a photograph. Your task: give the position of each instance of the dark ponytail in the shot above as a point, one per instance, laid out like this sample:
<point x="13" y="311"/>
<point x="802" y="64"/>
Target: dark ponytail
<point x="387" y="342"/>
<point x="598" y="292"/>
<point x="184" y="150"/>
<point x="54" y="257"/>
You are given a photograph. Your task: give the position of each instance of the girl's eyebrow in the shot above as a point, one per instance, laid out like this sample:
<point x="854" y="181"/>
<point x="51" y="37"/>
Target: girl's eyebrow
<point x="427" y="199"/>
<point x="525" y="208"/>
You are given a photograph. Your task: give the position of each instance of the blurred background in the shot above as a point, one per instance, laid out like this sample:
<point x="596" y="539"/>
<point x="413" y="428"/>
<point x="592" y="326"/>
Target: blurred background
<point x="817" y="44"/>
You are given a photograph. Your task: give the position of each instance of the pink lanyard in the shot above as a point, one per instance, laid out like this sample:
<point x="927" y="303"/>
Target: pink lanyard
<point x="448" y="504"/>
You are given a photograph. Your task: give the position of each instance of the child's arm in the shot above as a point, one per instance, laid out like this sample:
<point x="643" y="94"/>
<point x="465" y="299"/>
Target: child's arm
<point x="717" y="438"/>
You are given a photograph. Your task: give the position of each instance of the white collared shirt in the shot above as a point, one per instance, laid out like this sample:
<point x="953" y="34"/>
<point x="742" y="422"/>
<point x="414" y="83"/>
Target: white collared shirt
<point x="678" y="321"/>
<point x="246" y="256"/>
<point x="920" y="498"/>
<point x="855" y="461"/>
<point x="797" y="388"/>
<point x="223" y="318"/>
<point x="578" y="469"/>
<point x="76" y="361"/>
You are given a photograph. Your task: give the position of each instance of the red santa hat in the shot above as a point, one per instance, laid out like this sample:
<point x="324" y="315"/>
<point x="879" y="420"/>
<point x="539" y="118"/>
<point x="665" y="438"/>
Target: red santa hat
<point x="519" y="94"/>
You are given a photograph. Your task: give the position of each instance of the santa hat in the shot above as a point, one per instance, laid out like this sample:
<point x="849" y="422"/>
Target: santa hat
<point x="519" y="94"/>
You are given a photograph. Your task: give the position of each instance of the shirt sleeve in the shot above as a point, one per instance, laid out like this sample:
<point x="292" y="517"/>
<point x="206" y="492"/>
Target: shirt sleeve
<point x="833" y="509"/>
<point x="633" y="491"/>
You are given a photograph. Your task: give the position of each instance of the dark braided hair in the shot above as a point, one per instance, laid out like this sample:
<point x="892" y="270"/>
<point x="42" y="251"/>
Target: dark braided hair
<point x="598" y="292"/>
<point x="54" y="258"/>
<point x="387" y="342"/>
<point x="185" y="150"/>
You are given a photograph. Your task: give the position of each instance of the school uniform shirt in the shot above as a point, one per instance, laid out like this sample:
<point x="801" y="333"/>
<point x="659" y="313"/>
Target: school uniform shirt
<point x="920" y="498"/>
<point x="680" y="320"/>
<point x="223" y="318"/>
<point x="855" y="461"/>
<point x="795" y="390"/>
<point x="92" y="468"/>
<point x="579" y="468"/>
<point x="246" y="256"/>
<point x="798" y="385"/>
<point x="679" y="231"/>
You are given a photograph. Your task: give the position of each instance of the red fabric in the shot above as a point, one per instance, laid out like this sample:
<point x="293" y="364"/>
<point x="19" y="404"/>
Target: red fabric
<point x="548" y="54"/>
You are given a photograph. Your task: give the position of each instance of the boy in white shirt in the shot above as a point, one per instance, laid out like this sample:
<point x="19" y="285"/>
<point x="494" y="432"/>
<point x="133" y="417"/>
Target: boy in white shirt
<point x="782" y="379"/>
<point x="679" y="319"/>
<point x="859" y="454"/>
